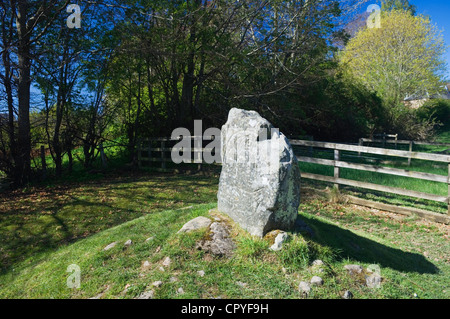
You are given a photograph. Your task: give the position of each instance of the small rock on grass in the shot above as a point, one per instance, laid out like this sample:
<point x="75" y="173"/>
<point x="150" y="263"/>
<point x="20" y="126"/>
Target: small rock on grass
<point x="166" y="262"/>
<point x="112" y="245"/>
<point x="348" y="294"/>
<point x="353" y="269"/>
<point x="147" y="295"/>
<point x="317" y="262"/>
<point x="279" y="240"/>
<point x="373" y="281"/>
<point x="304" y="287"/>
<point x="146" y="265"/>
<point x="128" y="243"/>
<point x="157" y="284"/>
<point x="194" y="224"/>
<point x="316" y="281"/>
<point x="201" y="273"/>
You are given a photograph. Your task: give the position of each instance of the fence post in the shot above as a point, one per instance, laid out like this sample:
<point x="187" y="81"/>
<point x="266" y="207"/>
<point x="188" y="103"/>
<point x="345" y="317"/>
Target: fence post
<point x="336" y="168"/>
<point x="384" y="140"/>
<point x="410" y="150"/>
<point x="396" y="137"/>
<point x="44" y="163"/>
<point x="310" y="149"/>
<point x="149" y="153"/>
<point x="139" y="153"/>
<point x="102" y="155"/>
<point x="360" y="143"/>
<point x="163" y="163"/>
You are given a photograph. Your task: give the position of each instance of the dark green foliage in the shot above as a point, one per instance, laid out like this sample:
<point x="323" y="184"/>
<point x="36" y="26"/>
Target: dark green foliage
<point x="437" y="109"/>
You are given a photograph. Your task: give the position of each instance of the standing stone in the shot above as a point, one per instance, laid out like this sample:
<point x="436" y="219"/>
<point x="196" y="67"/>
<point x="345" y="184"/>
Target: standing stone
<point x="259" y="185"/>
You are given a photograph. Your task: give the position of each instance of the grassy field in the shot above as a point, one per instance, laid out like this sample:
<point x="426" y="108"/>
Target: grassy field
<point x="47" y="228"/>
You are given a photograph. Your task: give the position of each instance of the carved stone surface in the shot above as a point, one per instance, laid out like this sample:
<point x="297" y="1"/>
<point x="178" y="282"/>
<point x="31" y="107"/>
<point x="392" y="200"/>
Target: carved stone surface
<point x="259" y="185"/>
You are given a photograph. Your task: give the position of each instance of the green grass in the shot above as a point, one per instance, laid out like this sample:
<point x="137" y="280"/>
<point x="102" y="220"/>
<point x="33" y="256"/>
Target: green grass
<point x="413" y="255"/>
<point x="42" y="218"/>
<point x="48" y="226"/>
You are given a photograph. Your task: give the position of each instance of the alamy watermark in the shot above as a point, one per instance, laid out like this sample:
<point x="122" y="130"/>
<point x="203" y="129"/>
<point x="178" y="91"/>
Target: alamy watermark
<point x="243" y="146"/>
<point x="373" y="280"/>
<point x="374" y="20"/>
<point x="74" y="20"/>
<point x="74" y="279"/>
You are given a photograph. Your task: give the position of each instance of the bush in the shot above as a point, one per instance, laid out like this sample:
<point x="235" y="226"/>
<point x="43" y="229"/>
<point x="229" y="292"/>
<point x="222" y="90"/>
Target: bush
<point x="410" y="125"/>
<point x="437" y="110"/>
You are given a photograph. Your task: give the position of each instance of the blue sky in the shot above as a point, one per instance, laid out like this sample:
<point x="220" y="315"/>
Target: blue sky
<point x="439" y="11"/>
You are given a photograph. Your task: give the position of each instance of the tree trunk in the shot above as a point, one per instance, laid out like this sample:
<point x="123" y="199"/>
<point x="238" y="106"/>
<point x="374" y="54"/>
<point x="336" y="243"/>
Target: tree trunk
<point x="23" y="164"/>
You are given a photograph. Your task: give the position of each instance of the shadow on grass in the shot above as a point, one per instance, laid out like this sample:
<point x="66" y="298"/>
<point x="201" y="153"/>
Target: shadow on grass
<point x="45" y="218"/>
<point x="353" y="246"/>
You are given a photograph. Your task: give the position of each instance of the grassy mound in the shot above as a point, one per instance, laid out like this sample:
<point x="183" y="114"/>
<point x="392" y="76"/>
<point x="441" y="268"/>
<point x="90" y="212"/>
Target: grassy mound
<point x="253" y="271"/>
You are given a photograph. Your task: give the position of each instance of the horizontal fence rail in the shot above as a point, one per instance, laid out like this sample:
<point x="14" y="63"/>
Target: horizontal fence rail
<point x="407" y="142"/>
<point x="337" y="164"/>
<point x="160" y="146"/>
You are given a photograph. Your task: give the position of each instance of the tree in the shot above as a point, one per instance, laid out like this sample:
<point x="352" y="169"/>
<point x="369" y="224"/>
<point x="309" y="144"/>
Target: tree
<point x="401" y="58"/>
<point x="24" y="22"/>
<point x="387" y="5"/>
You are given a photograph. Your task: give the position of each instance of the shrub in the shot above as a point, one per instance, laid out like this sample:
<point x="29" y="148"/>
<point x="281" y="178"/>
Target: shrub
<point x="437" y="110"/>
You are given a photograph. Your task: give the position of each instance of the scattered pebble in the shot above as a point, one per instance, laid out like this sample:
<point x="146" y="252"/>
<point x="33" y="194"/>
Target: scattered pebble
<point x="128" y="243"/>
<point x="317" y="262"/>
<point x="304" y="287"/>
<point x="353" y="269"/>
<point x="373" y="281"/>
<point x="147" y="295"/>
<point x="201" y="273"/>
<point x="348" y="294"/>
<point x="146" y="265"/>
<point x="316" y="281"/>
<point x="166" y="262"/>
<point x="157" y="284"/>
<point x="279" y="240"/>
<point x="195" y="224"/>
<point x="110" y="246"/>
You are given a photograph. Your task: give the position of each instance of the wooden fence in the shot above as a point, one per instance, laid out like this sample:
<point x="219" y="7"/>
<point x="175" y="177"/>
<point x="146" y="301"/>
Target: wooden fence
<point x="383" y="140"/>
<point x="147" y="150"/>
<point x="337" y="164"/>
